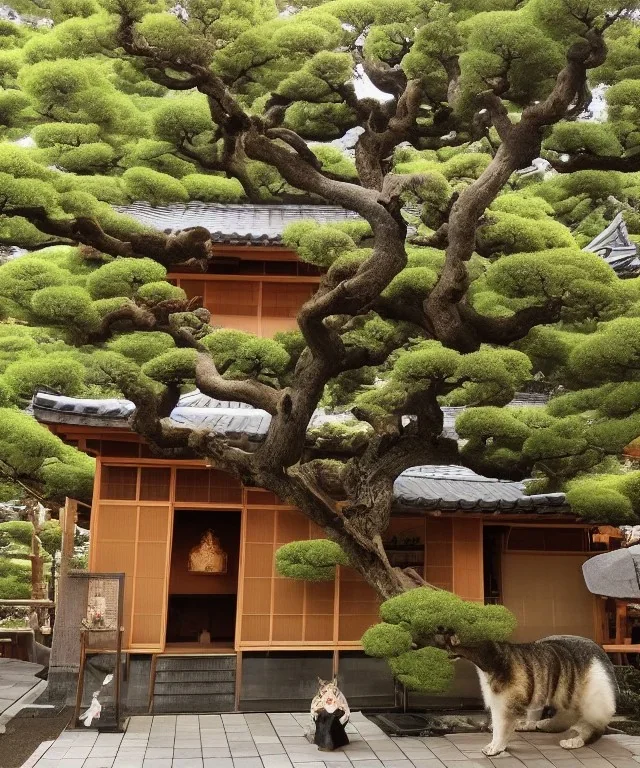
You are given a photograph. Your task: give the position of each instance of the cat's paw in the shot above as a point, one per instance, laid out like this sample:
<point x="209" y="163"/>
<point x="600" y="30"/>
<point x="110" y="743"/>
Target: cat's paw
<point x="574" y="743"/>
<point x="491" y="750"/>
<point x="542" y="725"/>
<point x="526" y="725"/>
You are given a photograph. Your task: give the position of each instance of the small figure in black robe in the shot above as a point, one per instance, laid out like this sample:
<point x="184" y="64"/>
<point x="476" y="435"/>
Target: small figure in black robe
<point x="330" y="733"/>
<point x="329" y="715"/>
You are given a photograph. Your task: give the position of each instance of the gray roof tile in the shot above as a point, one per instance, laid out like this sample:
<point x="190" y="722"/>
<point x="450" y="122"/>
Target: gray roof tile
<point x="235" y="224"/>
<point x="263" y="224"/>
<point x="427" y="487"/>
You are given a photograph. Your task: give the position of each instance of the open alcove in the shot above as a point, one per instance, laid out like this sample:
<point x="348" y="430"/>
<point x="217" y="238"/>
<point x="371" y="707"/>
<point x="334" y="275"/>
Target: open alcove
<point x="203" y="601"/>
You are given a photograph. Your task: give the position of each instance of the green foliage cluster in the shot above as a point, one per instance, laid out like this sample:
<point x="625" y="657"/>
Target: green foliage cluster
<point x="412" y="624"/>
<point x="313" y="560"/>
<point x="15" y="544"/>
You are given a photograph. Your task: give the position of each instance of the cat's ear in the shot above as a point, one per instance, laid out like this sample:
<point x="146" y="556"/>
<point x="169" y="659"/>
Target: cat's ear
<point x="321" y="682"/>
<point x="334" y="681"/>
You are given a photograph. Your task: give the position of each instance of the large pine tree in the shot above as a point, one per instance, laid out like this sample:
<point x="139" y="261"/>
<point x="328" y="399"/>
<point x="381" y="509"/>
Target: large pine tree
<point x="232" y="100"/>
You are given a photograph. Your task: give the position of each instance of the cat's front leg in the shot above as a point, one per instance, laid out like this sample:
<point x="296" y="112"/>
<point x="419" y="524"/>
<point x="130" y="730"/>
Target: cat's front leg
<point x="503" y="719"/>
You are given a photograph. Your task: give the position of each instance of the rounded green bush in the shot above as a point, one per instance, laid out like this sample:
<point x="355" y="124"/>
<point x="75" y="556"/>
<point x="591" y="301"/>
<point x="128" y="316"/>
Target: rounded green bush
<point x="124" y="277"/>
<point x="173" y="367"/>
<point x="386" y="640"/>
<point x="313" y="560"/>
<point x="153" y="293"/>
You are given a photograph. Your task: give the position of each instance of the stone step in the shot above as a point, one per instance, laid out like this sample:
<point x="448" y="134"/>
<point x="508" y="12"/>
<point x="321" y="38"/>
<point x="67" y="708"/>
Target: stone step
<point x="195" y="676"/>
<point x="195" y="663"/>
<point x="194" y="689"/>
<point x="189" y="703"/>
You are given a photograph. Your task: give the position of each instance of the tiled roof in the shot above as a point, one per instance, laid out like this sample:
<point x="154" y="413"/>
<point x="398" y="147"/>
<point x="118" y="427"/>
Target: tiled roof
<point x="444" y="488"/>
<point x="615" y="247"/>
<point x="263" y="224"/>
<point x="458" y="488"/>
<point x="197" y="410"/>
<point x="240" y="224"/>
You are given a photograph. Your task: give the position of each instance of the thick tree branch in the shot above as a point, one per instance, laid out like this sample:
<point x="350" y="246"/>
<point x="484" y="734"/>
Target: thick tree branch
<point x="505" y="330"/>
<point x="209" y="381"/>
<point x="520" y="145"/>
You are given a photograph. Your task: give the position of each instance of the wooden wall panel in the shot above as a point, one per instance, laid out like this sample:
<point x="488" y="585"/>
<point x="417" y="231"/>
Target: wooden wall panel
<point x="439" y="555"/>
<point x="261" y="306"/>
<point x="151" y="576"/>
<point x="276" y="611"/>
<point x="118" y="483"/>
<point x="113" y="550"/>
<point x="358" y="606"/>
<point x="207" y="485"/>
<point x="468" y="565"/>
<point x="135" y="540"/>
<point x="155" y="483"/>
<point x="288" y="597"/>
<point x="234" y="304"/>
<point x="280" y="305"/>
<point x="530" y="589"/>
<point x="255" y="588"/>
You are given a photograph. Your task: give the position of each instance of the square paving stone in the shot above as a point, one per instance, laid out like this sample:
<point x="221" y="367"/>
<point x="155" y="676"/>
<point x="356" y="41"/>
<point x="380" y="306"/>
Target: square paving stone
<point x="103" y="752"/>
<point x="220" y="752"/>
<point x="397" y="763"/>
<point x="317" y="764"/>
<point x="338" y="757"/>
<point x="243" y="750"/>
<point x="48" y="763"/>
<point x="187" y="762"/>
<point x="270" y="749"/>
<point x="307" y="760"/>
<point x="128" y="762"/>
<point x="247" y="762"/>
<point x="77" y="753"/>
<point x="156" y="752"/>
<point x="276" y="761"/>
<point x="99" y="762"/>
<point x="218" y="762"/>
<point x="158" y="762"/>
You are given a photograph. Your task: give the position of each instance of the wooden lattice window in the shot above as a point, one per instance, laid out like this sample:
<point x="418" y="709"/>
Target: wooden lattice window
<point x="134" y="540"/>
<point x="119" y="483"/>
<point x="439" y="556"/>
<point x="207" y="485"/>
<point x="155" y="483"/>
<point x="276" y="610"/>
<point x="359" y="606"/>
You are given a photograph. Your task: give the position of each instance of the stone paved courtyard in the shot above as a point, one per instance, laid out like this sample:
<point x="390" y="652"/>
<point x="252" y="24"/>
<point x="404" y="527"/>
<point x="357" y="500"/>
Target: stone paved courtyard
<point x="16" y="679"/>
<point x="278" y="741"/>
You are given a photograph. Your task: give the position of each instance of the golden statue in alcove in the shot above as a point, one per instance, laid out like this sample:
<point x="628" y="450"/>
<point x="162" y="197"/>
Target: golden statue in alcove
<point x="208" y="556"/>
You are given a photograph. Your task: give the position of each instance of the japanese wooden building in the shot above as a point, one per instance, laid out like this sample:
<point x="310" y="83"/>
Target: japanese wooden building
<point x="246" y="638"/>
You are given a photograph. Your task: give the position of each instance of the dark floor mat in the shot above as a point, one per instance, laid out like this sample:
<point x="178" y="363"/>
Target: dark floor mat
<point x="418" y="724"/>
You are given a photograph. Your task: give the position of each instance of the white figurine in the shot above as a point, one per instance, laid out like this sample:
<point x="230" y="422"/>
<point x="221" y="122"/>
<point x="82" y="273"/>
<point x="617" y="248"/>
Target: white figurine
<point x="93" y="713"/>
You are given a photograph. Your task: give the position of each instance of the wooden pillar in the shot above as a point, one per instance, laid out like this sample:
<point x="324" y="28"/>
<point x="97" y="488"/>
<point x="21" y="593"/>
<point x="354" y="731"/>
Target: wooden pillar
<point x="621" y="621"/>
<point x="70" y="609"/>
<point x="68" y="517"/>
